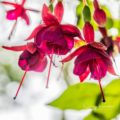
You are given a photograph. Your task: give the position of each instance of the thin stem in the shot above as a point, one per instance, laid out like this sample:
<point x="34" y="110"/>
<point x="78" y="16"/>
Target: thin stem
<point x="103" y="96"/>
<point x="49" y="71"/>
<point x="33" y="10"/>
<point x="63" y="115"/>
<point x="20" y="84"/>
<point x="12" y="30"/>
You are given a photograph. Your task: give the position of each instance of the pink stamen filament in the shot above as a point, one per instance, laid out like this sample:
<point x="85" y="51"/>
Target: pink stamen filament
<point x="48" y="78"/>
<point x="12" y="30"/>
<point x="20" y="85"/>
<point x="103" y="96"/>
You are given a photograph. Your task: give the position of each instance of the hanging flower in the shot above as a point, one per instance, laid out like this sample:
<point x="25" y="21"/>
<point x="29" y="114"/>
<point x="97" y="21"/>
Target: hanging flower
<point x="18" y="12"/>
<point x="91" y="58"/>
<point x="31" y="59"/>
<point x="52" y="36"/>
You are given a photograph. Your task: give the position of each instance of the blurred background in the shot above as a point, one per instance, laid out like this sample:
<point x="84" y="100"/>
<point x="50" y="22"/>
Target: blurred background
<point x="33" y="96"/>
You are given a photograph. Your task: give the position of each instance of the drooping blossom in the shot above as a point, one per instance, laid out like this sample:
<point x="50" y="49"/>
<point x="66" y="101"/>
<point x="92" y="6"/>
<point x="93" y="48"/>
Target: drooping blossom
<point x="91" y="58"/>
<point x="99" y="14"/>
<point x="19" y="11"/>
<point x="31" y="59"/>
<point x="52" y="36"/>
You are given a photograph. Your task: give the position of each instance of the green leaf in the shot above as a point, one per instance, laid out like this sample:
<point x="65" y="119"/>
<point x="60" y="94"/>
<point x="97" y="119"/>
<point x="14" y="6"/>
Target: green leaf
<point x="111" y="108"/>
<point x="78" y="97"/>
<point x="109" y="23"/>
<point x="86" y="14"/>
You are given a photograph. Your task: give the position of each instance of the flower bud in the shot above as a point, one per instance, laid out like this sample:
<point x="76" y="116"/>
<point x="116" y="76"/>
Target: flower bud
<point x="100" y="17"/>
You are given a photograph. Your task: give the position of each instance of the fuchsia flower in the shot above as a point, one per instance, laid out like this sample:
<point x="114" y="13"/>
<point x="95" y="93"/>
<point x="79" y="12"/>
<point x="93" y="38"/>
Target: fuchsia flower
<point x="18" y="12"/>
<point x="31" y="59"/>
<point x="99" y="15"/>
<point x="91" y="58"/>
<point x="53" y="37"/>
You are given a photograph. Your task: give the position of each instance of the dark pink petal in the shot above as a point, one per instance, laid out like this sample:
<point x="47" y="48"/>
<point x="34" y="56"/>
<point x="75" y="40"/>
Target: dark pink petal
<point x="59" y="10"/>
<point x="70" y="41"/>
<point x="47" y="16"/>
<point x="26" y="18"/>
<point x="31" y="47"/>
<point x="75" y="53"/>
<point x="98" y="45"/>
<point x="80" y="68"/>
<point x="71" y="30"/>
<point x="111" y="70"/>
<point x="35" y="62"/>
<point x="35" y="31"/>
<point x="12" y="15"/>
<point x="40" y="65"/>
<point x="88" y="32"/>
<point x="9" y="3"/>
<point x="15" y="48"/>
<point x="100" y="17"/>
<point x="84" y="75"/>
<point x="87" y="55"/>
<point x="98" y="68"/>
<point x="52" y="39"/>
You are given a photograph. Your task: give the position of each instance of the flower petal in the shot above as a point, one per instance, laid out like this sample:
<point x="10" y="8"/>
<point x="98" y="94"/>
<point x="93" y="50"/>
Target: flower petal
<point x="9" y="3"/>
<point x="35" y="62"/>
<point x="31" y="47"/>
<point x="35" y="31"/>
<point x="111" y="70"/>
<point x="87" y="55"/>
<point x="98" y="69"/>
<point x="75" y="53"/>
<point x="88" y="32"/>
<point x="71" y="30"/>
<point x="59" y="10"/>
<point x="80" y="68"/>
<point x="83" y="76"/>
<point x="98" y="45"/>
<point x="70" y="41"/>
<point x="26" y="18"/>
<point x="47" y="16"/>
<point x="15" y="48"/>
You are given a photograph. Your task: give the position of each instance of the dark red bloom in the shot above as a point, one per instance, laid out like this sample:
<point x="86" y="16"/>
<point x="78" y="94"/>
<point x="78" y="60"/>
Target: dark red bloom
<point x="18" y="12"/>
<point x="31" y="59"/>
<point x="91" y="59"/>
<point x="53" y="37"/>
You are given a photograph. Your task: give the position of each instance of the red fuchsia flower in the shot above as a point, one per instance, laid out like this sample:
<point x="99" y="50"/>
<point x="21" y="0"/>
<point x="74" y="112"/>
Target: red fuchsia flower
<point x="91" y="58"/>
<point x="31" y="59"/>
<point x="52" y="36"/>
<point x="99" y="15"/>
<point x="18" y="12"/>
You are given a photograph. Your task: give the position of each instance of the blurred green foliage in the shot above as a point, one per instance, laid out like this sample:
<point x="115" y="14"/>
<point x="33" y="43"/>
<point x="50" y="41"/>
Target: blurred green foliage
<point x="111" y="22"/>
<point x="87" y="96"/>
<point x="9" y="69"/>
